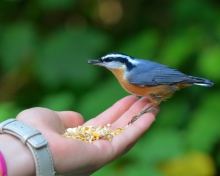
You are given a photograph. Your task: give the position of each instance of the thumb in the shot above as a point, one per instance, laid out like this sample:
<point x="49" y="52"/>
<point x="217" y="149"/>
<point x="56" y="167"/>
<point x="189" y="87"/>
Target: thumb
<point x="70" y="119"/>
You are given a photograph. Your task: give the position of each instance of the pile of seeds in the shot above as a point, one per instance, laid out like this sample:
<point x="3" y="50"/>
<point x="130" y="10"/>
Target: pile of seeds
<point x="90" y="133"/>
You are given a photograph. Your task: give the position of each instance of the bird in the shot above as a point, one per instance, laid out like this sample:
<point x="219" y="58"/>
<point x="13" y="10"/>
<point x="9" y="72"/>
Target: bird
<point x="146" y="78"/>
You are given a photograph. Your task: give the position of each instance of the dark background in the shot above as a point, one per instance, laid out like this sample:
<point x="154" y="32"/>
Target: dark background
<point x="44" y="48"/>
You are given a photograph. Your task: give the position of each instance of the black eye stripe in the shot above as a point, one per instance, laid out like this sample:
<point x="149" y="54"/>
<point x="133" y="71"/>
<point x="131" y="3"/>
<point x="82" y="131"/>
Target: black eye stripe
<point x="108" y="59"/>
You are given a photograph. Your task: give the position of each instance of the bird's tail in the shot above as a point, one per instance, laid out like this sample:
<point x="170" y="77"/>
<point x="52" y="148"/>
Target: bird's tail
<point x="202" y="81"/>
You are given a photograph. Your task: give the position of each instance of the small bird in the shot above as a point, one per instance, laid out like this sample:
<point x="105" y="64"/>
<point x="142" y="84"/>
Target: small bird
<point x="141" y="77"/>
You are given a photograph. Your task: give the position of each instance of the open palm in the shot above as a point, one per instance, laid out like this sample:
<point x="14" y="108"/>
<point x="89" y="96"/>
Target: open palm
<point x="80" y="158"/>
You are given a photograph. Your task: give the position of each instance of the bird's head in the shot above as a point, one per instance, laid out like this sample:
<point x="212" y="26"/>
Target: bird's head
<point x="115" y="61"/>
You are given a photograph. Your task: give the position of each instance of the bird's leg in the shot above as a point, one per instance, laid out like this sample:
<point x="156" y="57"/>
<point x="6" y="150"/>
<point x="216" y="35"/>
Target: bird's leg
<point x="140" y="114"/>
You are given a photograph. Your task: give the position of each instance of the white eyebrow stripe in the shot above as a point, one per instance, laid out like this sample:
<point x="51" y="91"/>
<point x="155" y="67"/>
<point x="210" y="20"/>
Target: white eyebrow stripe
<point x="122" y="56"/>
<point x="116" y="55"/>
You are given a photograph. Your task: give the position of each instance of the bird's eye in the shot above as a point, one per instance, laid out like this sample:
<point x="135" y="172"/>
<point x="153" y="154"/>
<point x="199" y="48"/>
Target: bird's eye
<point x="108" y="59"/>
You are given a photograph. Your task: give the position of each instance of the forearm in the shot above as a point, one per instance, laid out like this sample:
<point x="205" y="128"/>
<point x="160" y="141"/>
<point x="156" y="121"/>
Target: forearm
<point x="18" y="157"/>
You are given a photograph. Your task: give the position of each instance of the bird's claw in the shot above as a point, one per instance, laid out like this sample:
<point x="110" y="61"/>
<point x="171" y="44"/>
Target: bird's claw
<point x="133" y="119"/>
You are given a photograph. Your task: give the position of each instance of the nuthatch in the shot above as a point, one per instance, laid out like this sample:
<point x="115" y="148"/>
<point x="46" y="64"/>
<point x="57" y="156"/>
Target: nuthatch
<point x="140" y="77"/>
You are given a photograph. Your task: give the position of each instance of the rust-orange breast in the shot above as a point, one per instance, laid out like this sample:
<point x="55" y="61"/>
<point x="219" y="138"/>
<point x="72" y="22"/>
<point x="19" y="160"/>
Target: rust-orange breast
<point x="156" y="94"/>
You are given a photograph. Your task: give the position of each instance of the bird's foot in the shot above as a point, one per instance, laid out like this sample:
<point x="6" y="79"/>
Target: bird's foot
<point x="141" y="113"/>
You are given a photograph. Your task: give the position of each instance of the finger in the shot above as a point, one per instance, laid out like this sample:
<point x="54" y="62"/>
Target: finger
<point x="131" y="112"/>
<point x="114" y="112"/>
<point x="124" y="141"/>
<point x="70" y="119"/>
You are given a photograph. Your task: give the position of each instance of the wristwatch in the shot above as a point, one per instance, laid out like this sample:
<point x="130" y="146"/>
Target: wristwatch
<point x="35" y="142"/>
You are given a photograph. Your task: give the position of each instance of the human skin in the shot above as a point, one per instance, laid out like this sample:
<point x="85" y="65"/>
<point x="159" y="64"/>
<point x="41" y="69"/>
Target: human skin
<point x="74" y="157"/>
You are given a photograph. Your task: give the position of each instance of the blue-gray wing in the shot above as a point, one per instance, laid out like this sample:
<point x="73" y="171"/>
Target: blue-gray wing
<point x="157" y="74"/>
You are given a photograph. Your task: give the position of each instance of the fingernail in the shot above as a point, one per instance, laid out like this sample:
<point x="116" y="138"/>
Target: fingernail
<point x="155" y="110"/>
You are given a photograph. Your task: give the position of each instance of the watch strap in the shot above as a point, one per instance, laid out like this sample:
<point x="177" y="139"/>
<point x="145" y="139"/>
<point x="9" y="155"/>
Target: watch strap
<point x="35" y="142"/>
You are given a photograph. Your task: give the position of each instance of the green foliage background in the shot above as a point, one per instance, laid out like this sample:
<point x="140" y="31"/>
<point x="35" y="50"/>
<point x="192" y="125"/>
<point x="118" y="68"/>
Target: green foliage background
<point x="44" y="48"/>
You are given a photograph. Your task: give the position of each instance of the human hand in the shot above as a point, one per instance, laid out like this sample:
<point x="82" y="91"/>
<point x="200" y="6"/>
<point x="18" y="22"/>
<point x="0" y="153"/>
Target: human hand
<point x="80" y="158"/>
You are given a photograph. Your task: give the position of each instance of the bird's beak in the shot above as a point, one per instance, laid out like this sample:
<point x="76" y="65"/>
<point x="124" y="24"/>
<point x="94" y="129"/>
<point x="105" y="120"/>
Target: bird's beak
<point x="94" y="62"/>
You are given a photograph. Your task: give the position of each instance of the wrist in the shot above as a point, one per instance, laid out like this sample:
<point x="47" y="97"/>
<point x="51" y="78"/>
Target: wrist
<point x="18" y="157"/>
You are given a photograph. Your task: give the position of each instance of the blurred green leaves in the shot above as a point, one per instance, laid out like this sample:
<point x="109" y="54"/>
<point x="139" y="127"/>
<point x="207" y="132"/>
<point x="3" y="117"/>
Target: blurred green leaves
<point x="8" y="110"/>
<point x="180" y="46"/>
<point x="193" y="11"/>
<point x="142" y="44"/>
<point x="207" y="62"/>
<point x="194" y="163"/>
<point x="44" y="48"/>
<point x="18" y="44"/>
<point x="56" y="4"/>
<point x="204" y="124"/>
<point x="103" y="95"/>
<point x="58" y="102"/>
<point x="170" y="141"/>
<point x="62" y="59"/>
